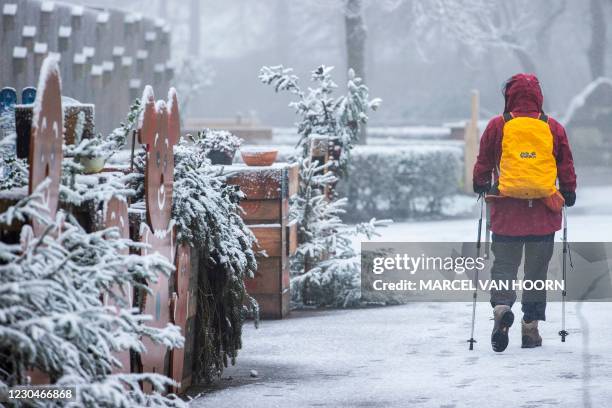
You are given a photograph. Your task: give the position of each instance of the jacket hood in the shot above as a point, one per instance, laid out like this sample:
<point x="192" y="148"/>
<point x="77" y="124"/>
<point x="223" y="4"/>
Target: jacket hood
<point x="522" y="93"/>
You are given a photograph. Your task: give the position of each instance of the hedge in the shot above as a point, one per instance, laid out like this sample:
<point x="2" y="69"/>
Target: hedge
<point x="401" y="181"/>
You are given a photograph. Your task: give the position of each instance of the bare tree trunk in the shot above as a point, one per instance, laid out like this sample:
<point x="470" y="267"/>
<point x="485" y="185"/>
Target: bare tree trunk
<point x="194" y="28"/>
<point x="506" y="15"/>
<point x="596" y="52"/>
<point x="356" y="34"/>
<point x="283" y="31"/>
<point x="162" y="9"/>
<point x="525" y="60"/>
<point x="543" y="34"/>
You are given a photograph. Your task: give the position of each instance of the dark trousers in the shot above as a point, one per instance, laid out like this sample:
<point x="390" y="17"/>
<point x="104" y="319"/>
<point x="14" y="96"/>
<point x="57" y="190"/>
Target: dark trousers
<point x="508" y="252"/>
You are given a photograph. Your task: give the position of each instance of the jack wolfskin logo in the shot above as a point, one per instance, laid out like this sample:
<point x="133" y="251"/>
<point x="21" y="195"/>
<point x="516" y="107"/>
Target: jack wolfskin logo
<point x="527" y="155"/>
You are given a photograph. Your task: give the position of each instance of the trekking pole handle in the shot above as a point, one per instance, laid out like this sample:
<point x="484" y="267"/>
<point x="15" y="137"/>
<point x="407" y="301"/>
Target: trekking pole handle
<point x="479" y="239"/>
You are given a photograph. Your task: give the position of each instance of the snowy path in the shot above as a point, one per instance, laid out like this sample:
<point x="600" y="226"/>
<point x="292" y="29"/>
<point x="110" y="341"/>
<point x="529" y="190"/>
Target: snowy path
<point x="416" y="354"/>
<point x="589" y="221"/>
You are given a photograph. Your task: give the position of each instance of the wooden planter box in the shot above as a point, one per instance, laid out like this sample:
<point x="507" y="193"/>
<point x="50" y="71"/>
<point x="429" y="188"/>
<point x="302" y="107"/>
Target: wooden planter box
<point x="266" y="211"/>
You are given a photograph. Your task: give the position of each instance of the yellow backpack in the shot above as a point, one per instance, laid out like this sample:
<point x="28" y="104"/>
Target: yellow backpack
<point x="528" y="168"/>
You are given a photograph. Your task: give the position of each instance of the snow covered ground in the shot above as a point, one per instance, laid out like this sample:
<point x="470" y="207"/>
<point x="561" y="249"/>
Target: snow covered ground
<point x="417" y="355"/>
<point x="590" y="220"/>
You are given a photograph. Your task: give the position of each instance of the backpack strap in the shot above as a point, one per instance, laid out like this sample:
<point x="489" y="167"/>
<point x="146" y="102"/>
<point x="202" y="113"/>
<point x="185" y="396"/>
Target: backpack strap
<point x="508" y="116"/>
<point x="543" y="117"/>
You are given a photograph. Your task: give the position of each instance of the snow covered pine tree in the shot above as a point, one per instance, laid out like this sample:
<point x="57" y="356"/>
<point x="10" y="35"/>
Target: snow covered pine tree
<point x="326" y="268"/>
<point x="53" y="319"/>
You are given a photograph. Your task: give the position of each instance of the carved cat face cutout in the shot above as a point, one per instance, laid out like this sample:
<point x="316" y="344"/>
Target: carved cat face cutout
<point x="160" y="131"/>
<point x="47" y="138"/>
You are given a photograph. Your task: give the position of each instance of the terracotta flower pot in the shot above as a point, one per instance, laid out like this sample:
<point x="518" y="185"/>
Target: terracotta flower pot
<point x="259" y="157"/>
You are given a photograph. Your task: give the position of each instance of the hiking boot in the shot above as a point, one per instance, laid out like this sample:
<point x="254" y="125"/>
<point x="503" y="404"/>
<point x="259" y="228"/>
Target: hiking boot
<point x="504" y="318"/>
<point x="531" y="336"/>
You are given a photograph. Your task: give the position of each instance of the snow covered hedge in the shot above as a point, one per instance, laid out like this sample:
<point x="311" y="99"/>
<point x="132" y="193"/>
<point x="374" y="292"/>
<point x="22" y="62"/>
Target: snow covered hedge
<point x="400" y="181"/>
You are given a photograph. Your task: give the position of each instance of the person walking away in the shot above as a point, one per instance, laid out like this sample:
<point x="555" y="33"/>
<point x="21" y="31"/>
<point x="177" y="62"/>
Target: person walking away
<point x="525" y="152"/>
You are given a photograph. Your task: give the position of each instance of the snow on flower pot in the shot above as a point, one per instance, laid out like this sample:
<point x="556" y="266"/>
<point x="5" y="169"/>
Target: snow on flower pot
<point x="220" y="145"/>
<point x="258" y="156"/>
<point x="92" y="165"/>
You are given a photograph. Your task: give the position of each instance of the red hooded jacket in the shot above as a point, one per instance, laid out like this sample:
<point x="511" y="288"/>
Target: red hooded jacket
<point x="512" y="216"/>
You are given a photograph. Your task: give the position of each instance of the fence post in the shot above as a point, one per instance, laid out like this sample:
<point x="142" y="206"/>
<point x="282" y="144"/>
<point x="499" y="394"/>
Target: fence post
<point x="471" y="139"/>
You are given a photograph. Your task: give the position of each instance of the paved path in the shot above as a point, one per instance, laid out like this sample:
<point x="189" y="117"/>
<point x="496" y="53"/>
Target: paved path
<point x="416" y="355"/>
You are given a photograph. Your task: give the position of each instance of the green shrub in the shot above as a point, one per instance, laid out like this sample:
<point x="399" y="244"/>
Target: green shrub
<point x="400" y="181"/>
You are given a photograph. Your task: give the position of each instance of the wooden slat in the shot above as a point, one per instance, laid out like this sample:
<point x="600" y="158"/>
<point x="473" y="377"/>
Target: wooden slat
<point x="269" y="238"/>
<point x="294" y="179"/>
<point x="292" y="237"/>
<point x="262" y="211"/>
<point x="273" y="306"/>
<point x="319" y="146"/>
<point x="189" y="353"/>
<point x="268" y="278"/>
<point x="260" y="184"/>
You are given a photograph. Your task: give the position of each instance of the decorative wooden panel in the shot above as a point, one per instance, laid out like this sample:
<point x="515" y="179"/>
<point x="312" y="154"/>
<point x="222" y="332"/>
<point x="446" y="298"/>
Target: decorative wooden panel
<point x="8" y="99"/>
<point x="115" y="214"/>
<point x="181" y="306"/>
<point x="28" y="95"/>
<point x="156" y="304"/>
<point x="46" y="140"/>
<point x="159" y="130"/>
<point x="45" y="155"/>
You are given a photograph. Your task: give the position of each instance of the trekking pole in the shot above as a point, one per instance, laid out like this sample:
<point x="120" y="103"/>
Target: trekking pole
<point x="487" y="252"/>
<point x="475" y="294"/>
<point x="488" y="218"/>
<point x="563" y="333"/>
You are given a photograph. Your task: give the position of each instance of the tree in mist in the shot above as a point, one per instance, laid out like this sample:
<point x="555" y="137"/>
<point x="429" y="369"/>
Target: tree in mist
<point x="194" y="28"/>
<point x="356" y="35"/>
<point x="483" y="25"/>
<point x="597" y="49"/>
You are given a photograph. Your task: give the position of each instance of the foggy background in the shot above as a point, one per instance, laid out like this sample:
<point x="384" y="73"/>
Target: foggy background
<point x="422" y="57"/>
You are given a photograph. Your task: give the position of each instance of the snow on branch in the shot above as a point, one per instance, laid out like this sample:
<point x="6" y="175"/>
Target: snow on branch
<point x="325" y="268"/>
<point x="53" y="317"/>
